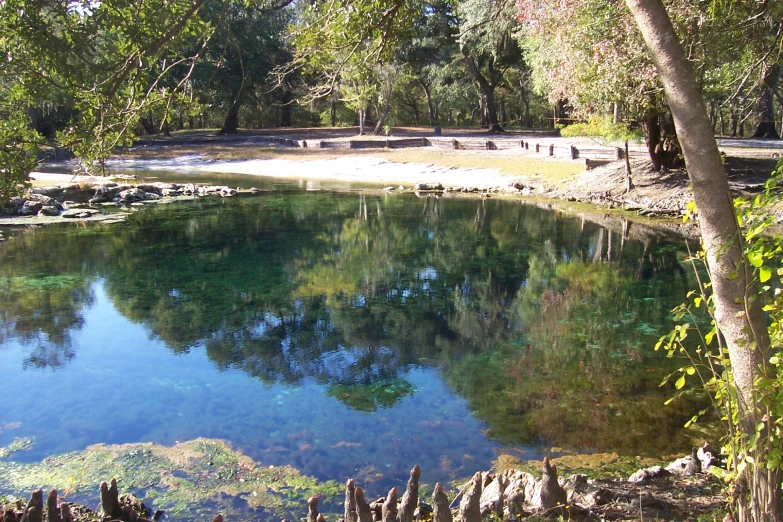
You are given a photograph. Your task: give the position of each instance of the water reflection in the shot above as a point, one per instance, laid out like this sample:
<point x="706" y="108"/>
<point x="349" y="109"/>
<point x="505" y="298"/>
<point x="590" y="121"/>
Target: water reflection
<point x="543" y="322"/>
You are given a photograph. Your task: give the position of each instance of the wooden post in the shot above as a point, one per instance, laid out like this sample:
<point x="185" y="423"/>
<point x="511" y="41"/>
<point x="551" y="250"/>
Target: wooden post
<point x="488" y="145"/>
<point x="618" y="153"/>
<point x="527" y="145"/>
<point x="537" y="146"/>
<point x="574" y="152"/>
<point x="521" y="144"/>
<point x="552" y="149"/>
<point x="588" y="165"/>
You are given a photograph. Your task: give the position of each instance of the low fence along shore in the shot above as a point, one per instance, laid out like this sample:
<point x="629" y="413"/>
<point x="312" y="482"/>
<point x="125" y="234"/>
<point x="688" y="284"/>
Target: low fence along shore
<point x="593" y="155"/>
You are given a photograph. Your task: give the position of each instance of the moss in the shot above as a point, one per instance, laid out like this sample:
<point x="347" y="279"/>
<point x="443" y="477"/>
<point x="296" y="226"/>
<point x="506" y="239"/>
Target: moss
<point x="185" y="479"/>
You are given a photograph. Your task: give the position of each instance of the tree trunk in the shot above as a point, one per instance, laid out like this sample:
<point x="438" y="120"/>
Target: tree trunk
<point x="231" y="123"/>
<point x="766" y="127"/>
<point x="503" y="120"/>
<point x="285" y="109"/>
<point x="733" y="118"/>
<point x="430" y="108"/>
<point x="382" y="119"/>
<point x="148" y="124"/>
<point x="616" y="115"/>
<point x="738" y="312"/>
<point x="661" y="139"/>
<point x="386" y="107"/>
<point x="652" y="136"/>
<point x="361" y="114"/>
<point x="628" y="181"/>
<point x="488" y="90"/>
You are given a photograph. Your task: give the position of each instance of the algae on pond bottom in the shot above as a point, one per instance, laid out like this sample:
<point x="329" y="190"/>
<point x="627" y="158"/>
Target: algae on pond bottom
<point x="594" y="465"/>
<point x="181" y="479"/>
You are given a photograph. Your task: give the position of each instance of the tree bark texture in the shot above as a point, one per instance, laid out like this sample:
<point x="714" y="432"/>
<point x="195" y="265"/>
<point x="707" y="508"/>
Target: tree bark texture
<point x="740" y="318"/>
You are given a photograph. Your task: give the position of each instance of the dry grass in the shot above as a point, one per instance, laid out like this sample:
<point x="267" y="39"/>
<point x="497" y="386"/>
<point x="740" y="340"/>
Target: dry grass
<point x="512" y="164"/>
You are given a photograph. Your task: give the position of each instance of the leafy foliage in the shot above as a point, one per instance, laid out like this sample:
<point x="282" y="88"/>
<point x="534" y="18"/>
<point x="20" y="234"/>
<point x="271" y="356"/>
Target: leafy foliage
<point x="759" y="446"/>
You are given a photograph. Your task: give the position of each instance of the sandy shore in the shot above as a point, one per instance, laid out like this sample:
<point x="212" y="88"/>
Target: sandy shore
<point x="364" y="168"/>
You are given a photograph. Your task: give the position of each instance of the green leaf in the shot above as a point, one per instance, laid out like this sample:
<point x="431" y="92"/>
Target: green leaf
<point x="680" y="382"/>
<point x="765" y="273"/>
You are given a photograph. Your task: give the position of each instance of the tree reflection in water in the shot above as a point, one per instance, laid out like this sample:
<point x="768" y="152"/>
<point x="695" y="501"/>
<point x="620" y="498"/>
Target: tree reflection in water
<point x="544" y="322"/>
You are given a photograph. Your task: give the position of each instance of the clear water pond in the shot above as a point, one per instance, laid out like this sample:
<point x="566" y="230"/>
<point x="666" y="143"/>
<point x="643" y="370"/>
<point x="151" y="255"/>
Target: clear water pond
<point x="344" y="334"/>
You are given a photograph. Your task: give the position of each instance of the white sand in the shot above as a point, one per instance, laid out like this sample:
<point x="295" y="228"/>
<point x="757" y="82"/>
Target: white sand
<point x="363" y="168"/>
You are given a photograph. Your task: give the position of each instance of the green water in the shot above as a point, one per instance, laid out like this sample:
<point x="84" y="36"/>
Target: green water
<point x="349" y="335"/>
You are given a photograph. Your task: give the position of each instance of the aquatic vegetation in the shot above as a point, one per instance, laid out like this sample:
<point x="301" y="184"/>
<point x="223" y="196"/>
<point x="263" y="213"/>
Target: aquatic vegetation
<point x="600" y="465"/>
<point x="189" y="480"/>
<point x="370" y="397"/>
<point x="16" y="445"/>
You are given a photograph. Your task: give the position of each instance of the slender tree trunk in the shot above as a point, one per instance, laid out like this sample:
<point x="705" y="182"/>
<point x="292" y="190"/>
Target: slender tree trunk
<point x="733" y="118"/>
<point x="525" y="97"/>
<point x="430" y="108"/>
<point x="738" y="312"/>
<point x="628" y="181"/>
<point x="616" y="114"/>
<point x="386" y="107"/>
<point x="361" y="121"/>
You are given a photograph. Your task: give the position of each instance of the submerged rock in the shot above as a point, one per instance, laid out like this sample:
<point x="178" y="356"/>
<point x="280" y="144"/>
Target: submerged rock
<point x="423" y="187"/>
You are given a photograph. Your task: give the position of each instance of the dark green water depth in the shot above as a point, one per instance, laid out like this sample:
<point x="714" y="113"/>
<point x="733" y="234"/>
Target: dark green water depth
<point x="348" y="335"/>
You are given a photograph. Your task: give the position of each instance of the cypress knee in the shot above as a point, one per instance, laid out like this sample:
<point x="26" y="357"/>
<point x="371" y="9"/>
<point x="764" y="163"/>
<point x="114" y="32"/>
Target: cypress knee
<point x="551" y="493"/>
<point x="363" y="509"/>
<point x="470" y="505"/>
<point x="440" y="505"/>
<point x="312" y="508"/>
<point x="350" y="502"/>
<point x="53" y="513"/>
<point x="411" y="496"/>
<point x="390" y="506"/>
